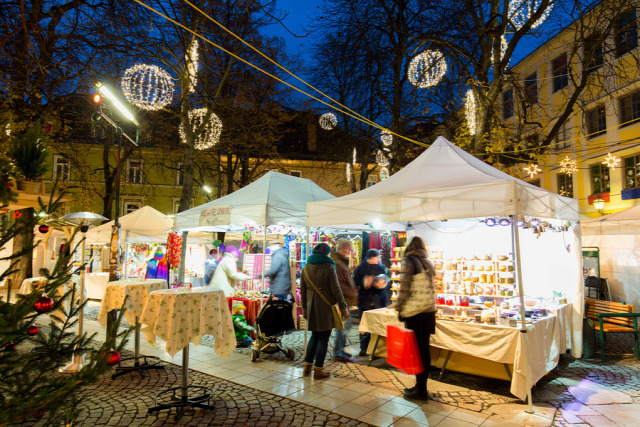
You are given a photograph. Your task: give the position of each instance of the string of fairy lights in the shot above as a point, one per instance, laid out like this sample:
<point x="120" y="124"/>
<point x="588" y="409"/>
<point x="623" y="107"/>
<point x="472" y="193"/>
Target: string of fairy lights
<point x="151" y="88"/>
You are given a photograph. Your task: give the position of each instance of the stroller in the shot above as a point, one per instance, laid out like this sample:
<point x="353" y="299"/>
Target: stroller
<point x="273" y="320"/>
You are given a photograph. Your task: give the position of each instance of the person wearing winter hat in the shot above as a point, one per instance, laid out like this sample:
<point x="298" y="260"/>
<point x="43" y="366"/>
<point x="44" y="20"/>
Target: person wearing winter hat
<point x="240" y="325"/>
<point x="370" y="297"/>
<point x="319" y="282"/>
<point x="227" y="271"/>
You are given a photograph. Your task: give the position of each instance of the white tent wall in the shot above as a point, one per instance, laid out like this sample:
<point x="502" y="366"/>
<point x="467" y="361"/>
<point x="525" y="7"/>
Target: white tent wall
<point x="550" y="262"/>
<point x="620" y="264"/>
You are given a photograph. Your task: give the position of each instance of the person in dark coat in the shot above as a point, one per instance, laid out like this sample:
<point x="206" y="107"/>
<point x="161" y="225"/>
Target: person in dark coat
<point x="414" y="261"/>
<point x="369" y="297"/>
<point x="319" y="272"/>
<point x="348" y="288"/>
<point x="279" y="274"/>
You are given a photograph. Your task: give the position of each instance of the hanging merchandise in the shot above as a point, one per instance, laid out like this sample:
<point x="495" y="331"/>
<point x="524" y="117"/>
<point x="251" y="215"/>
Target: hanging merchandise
<point x="174" y="250"/>
<point x="357" y="251"/>
<point x="247" y="242"/>
<point x="385" y="253"/>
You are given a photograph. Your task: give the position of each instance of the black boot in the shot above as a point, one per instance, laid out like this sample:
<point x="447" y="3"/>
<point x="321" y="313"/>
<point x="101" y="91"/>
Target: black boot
<point x="417" y="395"/>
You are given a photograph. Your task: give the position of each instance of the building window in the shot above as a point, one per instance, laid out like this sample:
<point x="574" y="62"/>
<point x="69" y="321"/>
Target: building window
<point x="626" y="33"/>
<point x="61" y="168"/>
<point x="371" y="180"/>
<point x="562" y="138"/>
<point x="180" y="174"/>
<point x="131" y="205"/>
<point x="507" y="104"/>
<point x="296" y="174"/>
<point x="593" y="52"/>
<point x="632" y="172"/>
<point x="560" y="72"/>
<point x="565" y="185"/>
<point x="535" y="182"/>
<point x="531" y="88"/>
<point x="134" y="171"/>
<point x="629" y="109"/>
<point x="596" y="122"/>
<point x="600" y="179"/>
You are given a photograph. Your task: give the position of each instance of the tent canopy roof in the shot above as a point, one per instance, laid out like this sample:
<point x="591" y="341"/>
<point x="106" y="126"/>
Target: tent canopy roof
<point x="623" y="222"/>
<point x="444" y="182"/>
<point x="274" y="199"/>
<point x="143" y="222"/>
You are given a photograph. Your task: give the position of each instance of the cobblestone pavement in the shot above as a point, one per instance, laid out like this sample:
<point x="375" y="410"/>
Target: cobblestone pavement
<point x="570" y="391"/>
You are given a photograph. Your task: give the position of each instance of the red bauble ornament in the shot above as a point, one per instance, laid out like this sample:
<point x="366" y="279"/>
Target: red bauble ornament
<point x="43" y="304"/>
<point x="44" y="229"/>
<point x="33" y="330"/>
<point x="113" y="358"/>
<point x="10" y="346"/>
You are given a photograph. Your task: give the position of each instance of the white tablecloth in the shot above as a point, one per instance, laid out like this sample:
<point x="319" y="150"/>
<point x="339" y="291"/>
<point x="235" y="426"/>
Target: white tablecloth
<point x="135" y="291"/>
<point x="95" y="284"/>
<point x="180" y="316"/>
<point x="492" y="342"/>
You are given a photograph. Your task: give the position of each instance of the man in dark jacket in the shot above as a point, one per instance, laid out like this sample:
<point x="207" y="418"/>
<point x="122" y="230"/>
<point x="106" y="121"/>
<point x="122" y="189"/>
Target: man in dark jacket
<point x="348" y="287"/>
<point x="279" y="274"/>
<point x="369" y="296"/>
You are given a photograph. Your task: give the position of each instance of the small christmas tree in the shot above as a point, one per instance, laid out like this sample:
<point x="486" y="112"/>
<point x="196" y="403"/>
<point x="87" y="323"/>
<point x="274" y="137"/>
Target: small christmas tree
<point x="32" y="349"/>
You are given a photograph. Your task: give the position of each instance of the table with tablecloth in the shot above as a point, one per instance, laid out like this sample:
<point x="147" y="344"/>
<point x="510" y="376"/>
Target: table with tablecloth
<point x="487" y="350"/>
<point x="184" y="315"/>
<point x="28" y="285"/>
<point x="134" y="291"/>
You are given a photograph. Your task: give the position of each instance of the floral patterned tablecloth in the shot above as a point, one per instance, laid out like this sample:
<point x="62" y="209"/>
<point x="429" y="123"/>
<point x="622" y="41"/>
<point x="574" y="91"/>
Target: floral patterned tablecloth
<point x="180" y="316"/>
<point x="135" y="291"/>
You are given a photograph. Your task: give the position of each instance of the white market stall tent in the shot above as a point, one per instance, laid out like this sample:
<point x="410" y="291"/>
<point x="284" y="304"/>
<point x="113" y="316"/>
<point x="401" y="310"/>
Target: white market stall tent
<point x="272" y="200"/>
<point x="145" y="224"/>
<point x="445" y="183"/>
<point x="617" y="236"/>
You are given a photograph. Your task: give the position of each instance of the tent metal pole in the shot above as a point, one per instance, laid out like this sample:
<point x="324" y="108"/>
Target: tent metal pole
<point x="515" y="246"/>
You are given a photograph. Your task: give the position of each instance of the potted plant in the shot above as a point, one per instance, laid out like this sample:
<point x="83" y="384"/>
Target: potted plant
<point x="29" y="154"/>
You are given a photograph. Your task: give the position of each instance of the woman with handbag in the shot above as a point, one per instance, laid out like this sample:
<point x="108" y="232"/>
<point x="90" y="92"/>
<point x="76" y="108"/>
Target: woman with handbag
<point x="320" y="294"/>
<point x="416" y="307"/>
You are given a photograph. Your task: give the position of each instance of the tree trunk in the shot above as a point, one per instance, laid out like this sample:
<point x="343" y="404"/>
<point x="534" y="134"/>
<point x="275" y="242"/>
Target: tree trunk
<point x="24" y="264"/>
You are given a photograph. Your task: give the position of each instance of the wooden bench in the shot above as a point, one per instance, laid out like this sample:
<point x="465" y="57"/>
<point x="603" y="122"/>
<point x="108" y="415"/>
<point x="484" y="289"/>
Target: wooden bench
<point x="613" y="317"/>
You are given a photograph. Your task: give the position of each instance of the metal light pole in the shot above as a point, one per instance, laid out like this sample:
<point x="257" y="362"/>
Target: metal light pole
<point x="83" y="220"/>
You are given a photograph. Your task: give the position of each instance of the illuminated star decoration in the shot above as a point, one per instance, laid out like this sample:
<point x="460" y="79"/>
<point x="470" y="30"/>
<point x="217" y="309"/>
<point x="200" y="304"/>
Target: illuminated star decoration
<point x="147" y="86"/>
<point x="191" y="59"/>
<point x="381" y="159"/>
<point x="470" y="111"/>
<point x="520" y="11"/>
<point x="17" y="214"/>
<point x="384" y="173"/>
<point x="386" y="137"/>
<point x="611" y="161"/>
<point x="328" y="121"/>
<point x="568" y="166"/>
<point x="533" y="170"/>
<point x="427" y="69"/>
<point x="209" y="134"/>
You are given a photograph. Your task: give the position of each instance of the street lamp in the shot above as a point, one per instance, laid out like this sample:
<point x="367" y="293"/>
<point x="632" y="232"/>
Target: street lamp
<point x="104" y="91"/>
<point x="598" y="204"/>
<point x="83" y="220"/>
<point x="207" y="190"/>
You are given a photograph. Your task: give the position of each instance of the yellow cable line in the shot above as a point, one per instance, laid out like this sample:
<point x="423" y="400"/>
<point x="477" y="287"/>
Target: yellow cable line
<point x="273" y="76"/>
<point x="276" y="63"/>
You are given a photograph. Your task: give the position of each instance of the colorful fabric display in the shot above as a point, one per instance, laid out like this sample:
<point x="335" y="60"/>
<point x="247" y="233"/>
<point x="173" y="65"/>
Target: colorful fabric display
<point x="174" y="250"/>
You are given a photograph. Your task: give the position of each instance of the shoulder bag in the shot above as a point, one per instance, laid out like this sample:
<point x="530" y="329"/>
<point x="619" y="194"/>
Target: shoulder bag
<point x="421" y="297"/>
<point x="336" y="312"/>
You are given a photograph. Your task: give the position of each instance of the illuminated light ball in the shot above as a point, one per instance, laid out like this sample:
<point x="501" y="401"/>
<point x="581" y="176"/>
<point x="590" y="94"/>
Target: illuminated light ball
<point x="381" y="159"/>
<point x="384" y="173"/>
<point x="386" y="137"/>
<point x="43" y="304"/>
<point x="44" y="229"/>
<point x="33" y="330"/>
<point x="470" y="111"/>
<point x="209" y="135"/>
<point x="427" y="69"/>
<point x="147" y="86"/>
<point x="520" y="11"/>
<point x="328" y="121"/>
<point x="113" y="357"/>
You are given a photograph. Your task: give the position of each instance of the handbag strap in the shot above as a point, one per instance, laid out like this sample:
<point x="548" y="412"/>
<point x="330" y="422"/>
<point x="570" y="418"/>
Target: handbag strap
<point x="304" y="270"/>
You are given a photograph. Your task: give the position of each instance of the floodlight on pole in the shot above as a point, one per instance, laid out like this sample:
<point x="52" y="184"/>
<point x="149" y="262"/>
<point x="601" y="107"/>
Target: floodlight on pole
<point x="107" y="93"/>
